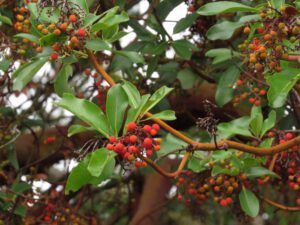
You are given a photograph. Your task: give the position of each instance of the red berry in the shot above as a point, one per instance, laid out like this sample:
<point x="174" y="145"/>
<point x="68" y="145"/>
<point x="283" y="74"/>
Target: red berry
<point x="281" y="141"/>
<point x="153" y="132"/>
<point x="138" y="164"/>
<point x="132" y="149"/>
<point x="289" y="136"/>
<point x="179" y="197"/>
<point x="251" y="100"/>
<point x="257" y="103"/>
<point x="297" y="201"/>
<point x="147" y="143"/>
<point x="181" y="180"/>
<point x="239" y="82"/>
<point x="72" y="18"/>
<point x="157" y="147"/>
<point x="112" y="139"/>
<point x="110" y="147"/>
<point x="54" y="56"/>
<point x="270" y="134"/>
<point x="149" y="153"/>
<point x="156" y="127"/>
<point x="133" y="138"/>
<point x="131" y="126"/>
<point x="81" y="32"/>
<point x="229" y="200"/>
<point x="262" y="92"/>
<point x="147" y="128"/>
<point x="119" y="147"/>
<point x="260" y="30"/>
<point x="223" y="202"/>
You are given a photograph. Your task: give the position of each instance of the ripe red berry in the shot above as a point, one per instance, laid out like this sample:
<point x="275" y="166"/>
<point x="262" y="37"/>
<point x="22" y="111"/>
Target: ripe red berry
<point x="153" y="132"/>
<point x="147" y="128"/>
<point x="54" y="56"/>
<point x="138" y="164"/>
<point x="181" y="180"/>
<point x="156" y="127"/>
<point x="157" y="147"/>
<point x="132" y="149"/>
<point x="251" y="100"/>
<point x="133" y="138"/>
<point x="223" y="202"/>
<point x="81" y="32"/>
<point x="229" y="200"/>
<point x="262" y="92"/>
<point x="131" y="126"/>
<point x="270" y="134"/>
<point x="257" y="103"/>
<point x="289" y="136"/>
<point x="72" y="18"/>
<point x="110" y="147"/>
<point x="239" y="82"/>
<point x="149" y="153"/>
<point x="147" y="143"/>
<point x="179" y="197"/>
<point x="112" y="139"/>
<point x="119" y="148"/>
<point x="281" y="141"/>
<point x="260" y="30"/>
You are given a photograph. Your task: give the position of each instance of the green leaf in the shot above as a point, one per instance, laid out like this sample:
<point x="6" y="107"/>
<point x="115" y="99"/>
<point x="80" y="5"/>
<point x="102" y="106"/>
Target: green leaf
<point x="185" y="22"/>
<point x="110" y="32"/>
<point x="170" y="144"/>
<point x="109" y="20"/>
<point x="132" y="56"/>
<point x="20" y="210"/>
<point x="117" y="36"/>
<point x="6" y="20"/>
<point x="80" y="175"/>
<point x="256" y="120"/>
<point x="20" y="187"/>
<point x="34" y="13"/>
<point x="87" y="112"/>
<point x="197" y="165"/>
<point x="221" y="54"/>
<point x="90" y="19"/>
<point x="4" y="64"/>
<point x="235" y="127"/>
<point x="30" y="37"/>
<point x="187" y="78"/>
<point x="280" y="86"/>
<point x="82" y="5"/>
<point x="133" y="94"/>
<point x="97" y="45"/>
<point x="277" y="3"/>
<point x="164" y="115"/>
<point x="214" y="8"/>
<point x="268" y="123"/>
<point x="26" y="72"/>
<point x="249" y="202"/>
<point x="116" y="105"/>
<point x="49" y="14"/>
<point x="76" y="129"/>
<point x="61" y="82"/>
<point x="98" y="161"/>
<point x="219" y="170"/>
<point x="224" y="91"/>
<point x="223" y="30"/>
<point x="184" y="48"/>
<point x="259" y="171"/>
<point x="165" y="7"/>
<point x="157" y="96"/>
<point x="219" y="155"/>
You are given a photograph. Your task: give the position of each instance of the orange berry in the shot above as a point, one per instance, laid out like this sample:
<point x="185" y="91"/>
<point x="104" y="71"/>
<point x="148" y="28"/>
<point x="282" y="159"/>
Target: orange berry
<point x="247" y="30"/>
<point x="72" y="18"/>
<point x="57" y="32"/>
<point x="63" y="26"/>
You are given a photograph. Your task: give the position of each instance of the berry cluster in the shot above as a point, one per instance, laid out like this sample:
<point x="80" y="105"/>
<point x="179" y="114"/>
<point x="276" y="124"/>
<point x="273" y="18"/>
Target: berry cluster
<point x="245" y="90"/>
<point x="137" y="141"/>
<point x="196" y="188"/>
<point x="277" y="28"/>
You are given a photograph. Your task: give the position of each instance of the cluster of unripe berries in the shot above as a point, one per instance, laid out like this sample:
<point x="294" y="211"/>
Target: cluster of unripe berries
<point x="76" y="36"/>
<point x="275" y="30"/>
<point x="138" y="141"/>
<point x="253" y="94"/>
<point x="192" y="188"/>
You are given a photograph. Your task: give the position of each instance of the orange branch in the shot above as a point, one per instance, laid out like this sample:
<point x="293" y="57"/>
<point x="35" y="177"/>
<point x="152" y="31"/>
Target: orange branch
<point x="280" y="206"/>
<point x="223" y="144"/>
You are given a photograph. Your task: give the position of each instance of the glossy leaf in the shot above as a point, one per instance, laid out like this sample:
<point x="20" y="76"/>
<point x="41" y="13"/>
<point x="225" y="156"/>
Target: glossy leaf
<point x="4" y="64"/>
<point x="185" y="23"/>
<point x="235" y="127"/>
<point x="259" y="171"/>
<point x="256" y="120"/>
<point x="6" y="20"/>
<point x="29" y="37"/>
<point x="187" y="78"/>
<point x="163" y="115"/>
<point x="249" y="202"/>
<point x="133" y="94"/>
<point x="165" y="7"/>
<point x="26" y="72"/>
<point x="61" y="82"/>
<point x="268" y="123"/>
<point x="116" y="105"/>
<point x="219" y="7"/>
<point x="220" y="55"/>
<point x="224" y="91"/>
<point x="76" y="129"/>
<point x="98" y="161"/>
<point x="87" y="112"/>
<point x="183" y="48"/>
<point x="90" y="19"/>
<point x="132" y="56"/>
<point x="97" y="45"/>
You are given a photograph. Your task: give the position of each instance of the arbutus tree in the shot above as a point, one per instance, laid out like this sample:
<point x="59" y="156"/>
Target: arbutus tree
<point x="113" y="113"/>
